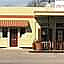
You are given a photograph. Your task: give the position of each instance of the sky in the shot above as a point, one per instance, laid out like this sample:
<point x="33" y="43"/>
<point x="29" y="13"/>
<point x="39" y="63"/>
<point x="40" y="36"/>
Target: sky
<point x="17" y="2"/>
<point x="14" y="2"/>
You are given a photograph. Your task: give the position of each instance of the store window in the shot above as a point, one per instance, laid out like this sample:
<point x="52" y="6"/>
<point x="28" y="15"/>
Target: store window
<point x="4" y="32"/>
<point x="28" y="29"/>
<point x="46" y="27"/>
<point x="25" y="30"/>
<point x="22" y="31"/>
<point x="44" y="34"/>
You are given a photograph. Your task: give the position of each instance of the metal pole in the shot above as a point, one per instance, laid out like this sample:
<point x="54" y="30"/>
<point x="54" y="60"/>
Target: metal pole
<point x="38" y="3"/>
<point x="34" y="2"/>
<point x="49" y="1"/>
<point x="48" y="27"/>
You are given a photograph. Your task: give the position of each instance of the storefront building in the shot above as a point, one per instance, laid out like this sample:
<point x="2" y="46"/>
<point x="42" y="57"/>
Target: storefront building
<point x="21" y="26"/>
<point x="17" y="26"/>
<point x="51" y="21"/>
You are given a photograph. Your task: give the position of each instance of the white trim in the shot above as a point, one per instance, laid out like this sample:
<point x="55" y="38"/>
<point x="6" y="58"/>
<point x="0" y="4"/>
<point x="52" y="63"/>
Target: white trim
<point x="8" y="37"/>
<point x="18" y="36"/>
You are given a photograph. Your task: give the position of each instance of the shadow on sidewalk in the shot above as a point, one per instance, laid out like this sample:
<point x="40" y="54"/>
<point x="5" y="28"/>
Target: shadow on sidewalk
<point x="47" y="51"/>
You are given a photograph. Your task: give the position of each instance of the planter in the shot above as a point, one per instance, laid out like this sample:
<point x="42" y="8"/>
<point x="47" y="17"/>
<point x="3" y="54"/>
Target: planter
<point x="38" y="45"/>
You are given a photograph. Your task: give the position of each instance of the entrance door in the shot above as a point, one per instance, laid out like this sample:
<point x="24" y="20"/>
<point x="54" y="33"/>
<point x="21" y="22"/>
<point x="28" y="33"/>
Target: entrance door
<point x="59" y="34"/>
<point x="13" y="37"/>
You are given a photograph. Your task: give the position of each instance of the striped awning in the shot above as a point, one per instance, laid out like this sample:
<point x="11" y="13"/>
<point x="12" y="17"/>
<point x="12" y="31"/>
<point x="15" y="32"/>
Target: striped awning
<point x="13" y="23"/>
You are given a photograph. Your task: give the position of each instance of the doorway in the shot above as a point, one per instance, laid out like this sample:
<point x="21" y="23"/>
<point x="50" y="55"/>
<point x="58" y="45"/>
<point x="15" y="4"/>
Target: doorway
<point x="13" y="37"/>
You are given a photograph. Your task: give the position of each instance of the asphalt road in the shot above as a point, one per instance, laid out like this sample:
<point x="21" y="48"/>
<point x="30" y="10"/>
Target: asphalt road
<point x="21" y="57"/>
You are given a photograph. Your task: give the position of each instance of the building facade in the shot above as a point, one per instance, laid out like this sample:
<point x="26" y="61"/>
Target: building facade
<point x="17" y="26"/>
<point x="51" y="23"/>
<point x="20" y="26"/>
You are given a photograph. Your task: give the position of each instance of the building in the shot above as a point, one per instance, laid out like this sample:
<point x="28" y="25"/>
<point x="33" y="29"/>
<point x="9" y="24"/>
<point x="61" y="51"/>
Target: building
<point x="20" y="26"/>
<point x="51" y="23"/>
<point x="16" y="27"/>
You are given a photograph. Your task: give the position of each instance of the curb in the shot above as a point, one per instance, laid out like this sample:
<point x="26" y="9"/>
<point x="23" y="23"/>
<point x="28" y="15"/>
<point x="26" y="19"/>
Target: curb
<point x="46" y="51"/>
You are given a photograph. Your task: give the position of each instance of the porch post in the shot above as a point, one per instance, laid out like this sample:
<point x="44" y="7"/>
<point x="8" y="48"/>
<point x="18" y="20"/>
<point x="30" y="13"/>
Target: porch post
<point x="8" y="37"/>
<point x="18" y="37"/>
<point x="54" y="29"/>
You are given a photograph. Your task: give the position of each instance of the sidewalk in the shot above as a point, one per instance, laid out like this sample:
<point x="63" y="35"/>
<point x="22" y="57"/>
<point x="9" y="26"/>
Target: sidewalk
<point x="46" y="51"/>
<point x="16" y="48"/>
<point x="23" y="56"/>
<point x="31" y="50"/>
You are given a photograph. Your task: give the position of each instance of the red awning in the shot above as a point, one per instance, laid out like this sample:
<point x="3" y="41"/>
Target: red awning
<point x="14" y="16"/>
<point x="13" y="23"/>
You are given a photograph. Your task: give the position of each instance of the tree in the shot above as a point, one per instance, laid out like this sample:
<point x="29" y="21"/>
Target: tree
<point x="41" y="3"/>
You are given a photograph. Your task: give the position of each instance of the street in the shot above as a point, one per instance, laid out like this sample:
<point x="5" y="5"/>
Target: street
<point x="17" y="56"/>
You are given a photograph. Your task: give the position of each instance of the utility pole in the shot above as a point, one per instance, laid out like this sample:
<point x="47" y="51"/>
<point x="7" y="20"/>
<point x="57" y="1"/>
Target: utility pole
<point x="48" y="1"/>
<point x="34" y="2"/>
<point x="38" y="3"/>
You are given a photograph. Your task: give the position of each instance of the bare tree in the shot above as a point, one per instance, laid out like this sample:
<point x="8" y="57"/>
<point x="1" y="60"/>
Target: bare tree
<point x="41" y="3"/>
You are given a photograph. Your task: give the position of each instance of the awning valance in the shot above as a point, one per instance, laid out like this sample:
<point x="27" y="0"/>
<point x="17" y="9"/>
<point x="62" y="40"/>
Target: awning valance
<point x="13" y="23"/>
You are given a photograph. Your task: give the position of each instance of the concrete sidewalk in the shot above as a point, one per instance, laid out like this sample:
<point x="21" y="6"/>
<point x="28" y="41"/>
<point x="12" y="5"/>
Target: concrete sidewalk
<point x="23" y="56"/>
<point x="46" y="51"/>
<point x="22" y="50"/>
<point x="28" y="50"/>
